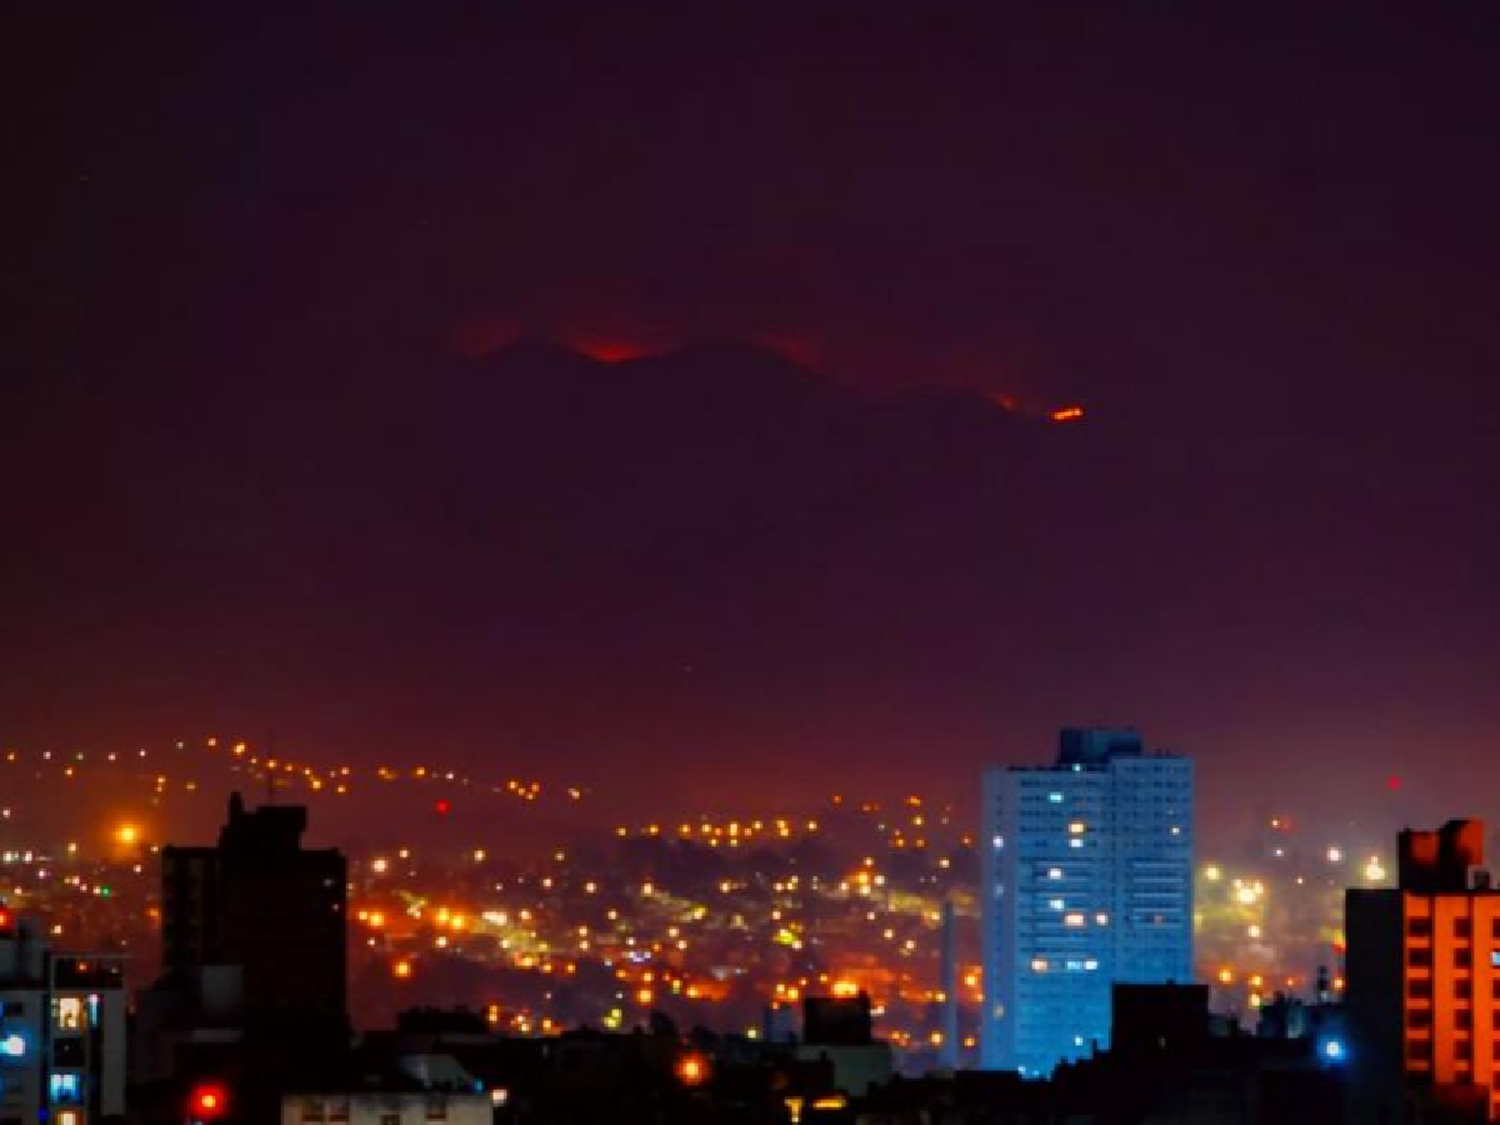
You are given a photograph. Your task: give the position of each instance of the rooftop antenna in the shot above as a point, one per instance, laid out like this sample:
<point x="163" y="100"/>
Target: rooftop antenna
<point x="270" y="769"/>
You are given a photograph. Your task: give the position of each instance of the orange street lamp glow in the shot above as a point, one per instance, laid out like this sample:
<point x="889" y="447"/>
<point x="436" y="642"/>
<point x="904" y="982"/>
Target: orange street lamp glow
<point x="692" y="1070"/>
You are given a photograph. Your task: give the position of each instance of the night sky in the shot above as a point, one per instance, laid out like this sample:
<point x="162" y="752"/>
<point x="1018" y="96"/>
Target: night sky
<point x="654" y="396"/>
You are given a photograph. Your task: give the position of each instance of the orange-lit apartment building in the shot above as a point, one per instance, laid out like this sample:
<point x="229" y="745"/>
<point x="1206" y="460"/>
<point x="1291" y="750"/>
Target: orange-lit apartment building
<point x="1424" y="985"/>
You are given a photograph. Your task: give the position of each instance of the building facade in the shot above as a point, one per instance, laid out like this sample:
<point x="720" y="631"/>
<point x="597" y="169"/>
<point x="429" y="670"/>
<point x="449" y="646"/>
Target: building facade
<point x="366" y="1108"/>
<point x="1423" y="972"/>
<point x="62" y="1030"/>
<point x="1087" y="880"/>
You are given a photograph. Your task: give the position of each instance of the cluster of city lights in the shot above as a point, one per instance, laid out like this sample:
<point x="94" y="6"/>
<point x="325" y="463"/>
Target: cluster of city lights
<point x="585" y="933"/>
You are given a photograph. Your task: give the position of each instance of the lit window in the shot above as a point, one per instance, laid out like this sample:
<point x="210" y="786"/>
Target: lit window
<point x="70" y="1014"/>
<point x="1055" y="798"/>
<point x="1054" y="873"/>
<point x="1039" y="964"/>
<point x="64" y="1088"/>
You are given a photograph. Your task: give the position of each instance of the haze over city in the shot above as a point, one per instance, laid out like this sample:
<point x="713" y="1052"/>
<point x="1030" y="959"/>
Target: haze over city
<point x="286" y="454"/>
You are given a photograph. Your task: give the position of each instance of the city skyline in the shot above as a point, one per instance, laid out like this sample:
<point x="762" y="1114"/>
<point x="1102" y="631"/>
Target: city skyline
<point x="622" y="502"/>
<point x="1268" y="904"/>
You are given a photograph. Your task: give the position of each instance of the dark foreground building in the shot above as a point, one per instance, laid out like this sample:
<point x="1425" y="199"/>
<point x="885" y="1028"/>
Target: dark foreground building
<point x="261" y="901"/>
<point x="251" y="1001"/>
<point x="1169" y="1063"/>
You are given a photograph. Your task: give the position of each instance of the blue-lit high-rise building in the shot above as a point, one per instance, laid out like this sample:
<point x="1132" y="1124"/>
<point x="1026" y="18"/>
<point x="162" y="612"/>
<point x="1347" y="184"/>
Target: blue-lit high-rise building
<point x="1087" y="880"/>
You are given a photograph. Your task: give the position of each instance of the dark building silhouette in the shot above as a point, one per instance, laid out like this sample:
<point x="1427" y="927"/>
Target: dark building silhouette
<point x="1152" y="1020"/>
<point x="1167" y="1063"/>
<point x="260" y="901"/>
<point x="251" y="1001"/>
<point x="842" y="1021"/>
<point x="839" y="1031"/>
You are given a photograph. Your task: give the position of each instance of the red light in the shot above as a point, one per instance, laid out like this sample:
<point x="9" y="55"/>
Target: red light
<point x="1393" y="783"/>
<point x="443" y="806"/>
<point x="209" y="1101"/>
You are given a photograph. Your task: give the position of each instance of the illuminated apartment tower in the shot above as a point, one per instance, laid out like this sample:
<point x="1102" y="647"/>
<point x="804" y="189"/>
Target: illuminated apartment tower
<point x="1423" y="974"/>
<point x="62" y="1029"/>
<point x="1087" y="881"/>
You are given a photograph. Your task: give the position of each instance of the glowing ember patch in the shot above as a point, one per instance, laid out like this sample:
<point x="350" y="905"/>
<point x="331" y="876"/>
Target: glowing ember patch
<point x="1067" y="414"/>
<point x="609" y="351"/>
<point x="795" y="349"/>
